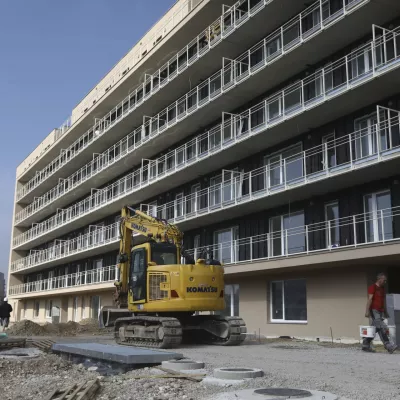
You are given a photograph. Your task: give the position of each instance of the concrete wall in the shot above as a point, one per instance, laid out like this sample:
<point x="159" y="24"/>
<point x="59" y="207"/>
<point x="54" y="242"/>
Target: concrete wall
<point x="335" y="298"/>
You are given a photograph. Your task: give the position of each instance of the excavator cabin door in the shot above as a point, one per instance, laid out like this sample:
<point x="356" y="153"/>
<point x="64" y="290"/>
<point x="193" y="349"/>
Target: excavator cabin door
<point x="137" y="276"/>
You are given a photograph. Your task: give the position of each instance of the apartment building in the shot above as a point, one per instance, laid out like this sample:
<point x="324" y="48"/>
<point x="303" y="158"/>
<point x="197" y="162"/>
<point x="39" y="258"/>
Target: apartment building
<point x="271" y="138"/>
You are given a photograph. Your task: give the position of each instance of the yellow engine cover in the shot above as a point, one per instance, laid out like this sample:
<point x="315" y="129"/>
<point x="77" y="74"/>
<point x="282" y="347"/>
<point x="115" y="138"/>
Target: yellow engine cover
<point x="182" y="288"/>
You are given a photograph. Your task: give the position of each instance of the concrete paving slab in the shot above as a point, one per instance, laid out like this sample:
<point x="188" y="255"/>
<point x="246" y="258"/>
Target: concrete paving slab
<point x="127" y="355"/>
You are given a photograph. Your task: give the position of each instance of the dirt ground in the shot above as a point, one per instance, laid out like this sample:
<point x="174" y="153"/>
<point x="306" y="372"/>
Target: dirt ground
<point x="340" y="369"/>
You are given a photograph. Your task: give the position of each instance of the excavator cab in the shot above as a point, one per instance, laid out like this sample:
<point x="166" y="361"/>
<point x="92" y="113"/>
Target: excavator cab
<point x="152" y="253"/>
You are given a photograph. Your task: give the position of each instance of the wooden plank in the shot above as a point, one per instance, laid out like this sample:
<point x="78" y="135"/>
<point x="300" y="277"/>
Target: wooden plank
<point x="89" y="393"/>
<point x="74" y="393"/>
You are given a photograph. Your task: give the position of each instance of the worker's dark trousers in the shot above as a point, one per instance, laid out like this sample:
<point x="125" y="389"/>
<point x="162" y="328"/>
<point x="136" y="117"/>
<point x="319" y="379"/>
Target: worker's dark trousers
<point x="376" y="320"/>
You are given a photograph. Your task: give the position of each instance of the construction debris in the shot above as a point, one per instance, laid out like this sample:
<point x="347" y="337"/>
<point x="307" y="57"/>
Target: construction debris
<point x="189" y="377"/>
<point x="41" y="344"/>
<point x="84" y="391"/>
<point x="71" y="328"/>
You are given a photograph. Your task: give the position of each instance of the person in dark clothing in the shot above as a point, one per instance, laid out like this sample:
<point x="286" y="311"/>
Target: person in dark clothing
<point x="376" y="311"/>
<point x="5" y="313"/>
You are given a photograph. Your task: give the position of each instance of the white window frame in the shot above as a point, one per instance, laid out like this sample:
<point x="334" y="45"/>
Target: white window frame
<point x="284" y="321"/>
<point x="267" y="163"/>
<point x="179" y="202"/>
<point x="213" y="193"/>
<point x="326" y="142"/>
<point x="98" y="270"/>
<point x="328" y="238"/>
<point x="49" y="308"/>
<point x="194" y="197"/>
<point x="365" y="54"/>
<point x="234" y="249"/>
<point x="152" y="208"/>
<point x="284" y="250"/>
<point x="75" y="308"/>
<point x="375" y="213"/>
<point x="360" y="136"/>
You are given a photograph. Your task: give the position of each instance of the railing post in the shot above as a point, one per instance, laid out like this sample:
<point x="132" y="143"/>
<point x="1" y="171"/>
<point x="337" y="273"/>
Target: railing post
<point x="286" y="249"/>
<point x="329" y="235"/>
<point x="382" y="226"/>
<point x="354" y="231"/>
<point x="347" y="71"/>
<point x="250" y="185"/>
<point x="251" y="248"/>
<point x="351" y="151"/>
<point x="307" y="244"/>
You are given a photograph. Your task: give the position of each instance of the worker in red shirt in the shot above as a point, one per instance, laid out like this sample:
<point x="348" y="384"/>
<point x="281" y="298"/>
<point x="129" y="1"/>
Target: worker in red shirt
<point x="376" y="311"/>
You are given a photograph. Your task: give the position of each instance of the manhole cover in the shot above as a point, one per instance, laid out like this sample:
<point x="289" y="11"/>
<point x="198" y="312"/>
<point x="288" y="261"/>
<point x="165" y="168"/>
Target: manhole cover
<point x="284" y="393"/>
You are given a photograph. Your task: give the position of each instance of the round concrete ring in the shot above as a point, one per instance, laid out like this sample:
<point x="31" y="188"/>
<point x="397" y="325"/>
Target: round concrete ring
<point x="180" y="365"/>
<point x="237" y="373"/>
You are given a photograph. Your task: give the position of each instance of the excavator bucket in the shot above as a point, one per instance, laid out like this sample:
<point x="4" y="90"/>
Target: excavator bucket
<point x="108" y="315"/>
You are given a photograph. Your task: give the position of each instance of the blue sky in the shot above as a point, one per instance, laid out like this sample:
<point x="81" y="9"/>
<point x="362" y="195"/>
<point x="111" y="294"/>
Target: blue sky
<point x="51" y="54"/>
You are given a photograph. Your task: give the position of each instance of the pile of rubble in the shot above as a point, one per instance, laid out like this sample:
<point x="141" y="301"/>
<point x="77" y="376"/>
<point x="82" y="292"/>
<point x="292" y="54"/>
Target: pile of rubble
<point x="28" y="328"/>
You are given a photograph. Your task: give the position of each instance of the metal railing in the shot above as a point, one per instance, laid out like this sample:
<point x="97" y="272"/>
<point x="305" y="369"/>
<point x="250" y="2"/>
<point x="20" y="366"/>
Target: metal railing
<point x="358" y="67"/>
<point x="229" y="21"/>
<point x="306" y="167"/>
<point x="358" y="230"/>
<point x="84" y="278"/>
<point x="99" y="236"/>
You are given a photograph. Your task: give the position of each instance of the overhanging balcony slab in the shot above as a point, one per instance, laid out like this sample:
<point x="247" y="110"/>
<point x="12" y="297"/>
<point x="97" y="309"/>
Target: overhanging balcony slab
<point x="369" y="91"/>
<point x="95" y="287"/>
<point x="271" y="16"/>
<point x="371" y="254"/>
<point x="67" y="258"/>
<point x="205" y="13"/>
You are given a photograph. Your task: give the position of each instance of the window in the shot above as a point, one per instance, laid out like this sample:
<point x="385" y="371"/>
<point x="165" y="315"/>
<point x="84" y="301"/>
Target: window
<point x="98" y="271"/>
<point x="285" y="166"/>
<point x="378" y="216"/>
<point x="36" y="308"/>
<point x="332" y="228"/>
<point x="152" y="210"/>
<point x="361" y="62"/>
<point x="328" y="151"/>
<point x="226" y="250"/>
<point x="95" y="306"/>
<point x="49" y="308"/>
<point x="24" y="314"/>
<point x="75" y="309"/>
<point x="196" y="247"/>
<point x="288" y="301"/>
<point x="215" y="190"/>
<point x="231" y="294"/>
<point x="232" y="184"/>
<point x="194" y="198"/>
<point x="287" y="234"/>
<point x="179" y="205"/>
<point x="365" y="136"/>
<point x="83" y="314"/>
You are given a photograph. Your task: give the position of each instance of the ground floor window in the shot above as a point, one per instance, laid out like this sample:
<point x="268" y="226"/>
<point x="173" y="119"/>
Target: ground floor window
<point x="95" y="306"/>
<point x="83" y="315"/>
<point x="288" y="301"/>
<point x="75" y="309"/>
<point x="49" y="308"/>
<point x="36" y="308"/>
<point x="231" y="294"/>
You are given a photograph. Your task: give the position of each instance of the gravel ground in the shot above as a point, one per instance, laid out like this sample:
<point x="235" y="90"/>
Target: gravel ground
<point x="343" y="370"/>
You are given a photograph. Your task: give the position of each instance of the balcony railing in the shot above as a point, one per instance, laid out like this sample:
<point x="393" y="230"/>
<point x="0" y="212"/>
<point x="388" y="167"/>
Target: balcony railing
<point x="370" y="228"/>
<point x="98" y="236"/>
<point x="365" y="147"/>
<point x="229" y="21"/>
<point x="84" y="278"/>
<point x="341" y="76"/>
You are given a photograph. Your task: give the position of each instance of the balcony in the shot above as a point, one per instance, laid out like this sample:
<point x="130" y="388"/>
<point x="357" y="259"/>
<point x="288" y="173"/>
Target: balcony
<point x="302" y="33"/>
<point x="86" y="280"/>
<point x="99" y="240"/>
<point x="351" y="239"/>
<point x="365" y="155"/>
<point x="328" y="94"/>
<point x="194" y="62"/>
<point x="307" y="173"/>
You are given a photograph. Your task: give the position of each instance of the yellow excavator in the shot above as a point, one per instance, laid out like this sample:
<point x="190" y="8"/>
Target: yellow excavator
<point x="158" y="300"/>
